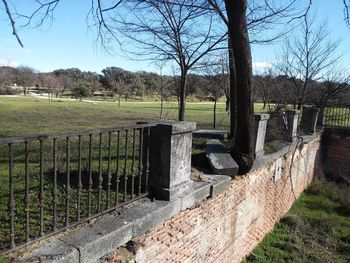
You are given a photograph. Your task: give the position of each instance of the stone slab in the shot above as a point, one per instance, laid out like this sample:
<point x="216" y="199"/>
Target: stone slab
<point x="171" y="126"/>
<point x="218" y="183"/>
<point x="149" y="215"/>
<point x="100" y="238"/>
<point x="200" y="191"/>
<point x="220" y="160"/>
<point x="211" y="134"/>
<point x="53" y="252"/>
<point x="169" y="194"/>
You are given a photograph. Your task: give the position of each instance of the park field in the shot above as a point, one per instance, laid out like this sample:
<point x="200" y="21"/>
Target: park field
<point x="27" y="115"/>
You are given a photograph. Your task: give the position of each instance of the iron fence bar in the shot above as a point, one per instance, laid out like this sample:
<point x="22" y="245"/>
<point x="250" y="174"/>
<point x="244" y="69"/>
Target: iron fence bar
<point x="344" y="117"/>
<point x="54" y="189"/>
<point x="68" y="186"/>
<point x="126" y="167"/>
<point x="11" y="203"/>
<point x="80" y="184"/>
<point x="100" y="178"/>
<point x="26" y="186"/>
<point x="140" y="161"/>
<point x="90" y="175"/>
<point x="109" y="175"/>
<point x="133" y="164"/>
<point x="117" y="180"/>
<point x="41" y="193"/>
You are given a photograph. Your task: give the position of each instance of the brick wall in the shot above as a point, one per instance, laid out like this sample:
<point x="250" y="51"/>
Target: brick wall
<point x="336" y="152"/>
<point x="226" y="228"/>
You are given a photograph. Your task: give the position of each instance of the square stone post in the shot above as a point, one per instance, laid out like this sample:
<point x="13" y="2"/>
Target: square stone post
<point x="260" y="131"/>
<point x="170" y="158"/>
<point x="292" y="119"/>
<point x="309" y="119"/>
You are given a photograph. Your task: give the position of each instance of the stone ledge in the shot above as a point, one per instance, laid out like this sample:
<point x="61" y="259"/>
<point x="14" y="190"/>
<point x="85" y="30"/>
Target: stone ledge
<point x="88" y="243"/>
<point x="199" y="192"/>
<point x="218" y="183"/>
<point x="211" y="134"/>
<point x="172" y="127"/>
<point x="285" y="148"/>
<point x="53" y="252"/>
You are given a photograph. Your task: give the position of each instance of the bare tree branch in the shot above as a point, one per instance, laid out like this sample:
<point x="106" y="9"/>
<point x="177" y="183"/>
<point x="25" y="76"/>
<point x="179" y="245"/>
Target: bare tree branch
<point x="13" y="24"/>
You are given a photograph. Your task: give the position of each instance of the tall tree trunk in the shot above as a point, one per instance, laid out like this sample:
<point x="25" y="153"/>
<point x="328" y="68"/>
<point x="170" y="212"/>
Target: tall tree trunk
<point x="243" y="150"/>
<point x="233" y="96"/>
<point x="182" y="95"/>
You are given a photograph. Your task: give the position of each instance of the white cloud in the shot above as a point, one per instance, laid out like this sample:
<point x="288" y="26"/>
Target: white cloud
<point x="261" y="65"/>
<point x="6" y="61"/>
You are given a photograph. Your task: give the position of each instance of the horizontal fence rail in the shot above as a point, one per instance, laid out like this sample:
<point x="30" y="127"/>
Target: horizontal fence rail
<point x="336" y="117"/>
<point x="52" y="182"/>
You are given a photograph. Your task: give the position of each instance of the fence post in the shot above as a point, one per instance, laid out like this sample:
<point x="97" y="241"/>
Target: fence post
<point x="260" y="132"/>
<point x="170" y="158"/>
<point x="292" y="120"/>
<point x="309" y="119"/>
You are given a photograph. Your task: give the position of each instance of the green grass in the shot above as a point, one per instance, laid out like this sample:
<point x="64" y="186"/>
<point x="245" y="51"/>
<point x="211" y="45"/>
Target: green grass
<point x="316" y="229"/>
<point x="27" y="115"/>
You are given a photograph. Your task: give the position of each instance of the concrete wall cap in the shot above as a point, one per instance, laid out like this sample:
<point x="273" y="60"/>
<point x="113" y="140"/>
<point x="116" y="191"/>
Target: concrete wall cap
<point x="293" y="112"/>
<point x="175" y="127"/>
<point x="259" y="116"/>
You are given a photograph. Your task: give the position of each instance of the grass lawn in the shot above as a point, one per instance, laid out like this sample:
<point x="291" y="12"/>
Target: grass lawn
<point x="316" y="229"/>
<point x="25" y="115"/>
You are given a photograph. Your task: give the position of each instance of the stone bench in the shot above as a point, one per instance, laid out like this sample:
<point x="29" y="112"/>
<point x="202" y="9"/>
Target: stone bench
<point x="211" y="134"/>
<point x="219" y="159"/>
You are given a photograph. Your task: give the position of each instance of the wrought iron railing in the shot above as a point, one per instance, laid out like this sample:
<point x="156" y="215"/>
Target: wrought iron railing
<point x="336" y="117"/>
<point x="51" y="182"/>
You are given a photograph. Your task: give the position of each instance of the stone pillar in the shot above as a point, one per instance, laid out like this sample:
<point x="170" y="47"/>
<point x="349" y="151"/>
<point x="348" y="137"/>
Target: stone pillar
<point x="260" y="131"/>
<point x="292" y="119"/>
<point x="170" y="158"/>
<point x="309" y="120"/>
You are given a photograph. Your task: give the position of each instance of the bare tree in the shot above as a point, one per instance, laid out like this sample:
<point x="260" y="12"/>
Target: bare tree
<point x="308" y="57"/>
<point x="179" y="31"/>
<point x="333" y="90"/>
<point x="216" y="72"/>
<point x="53" y="84"/>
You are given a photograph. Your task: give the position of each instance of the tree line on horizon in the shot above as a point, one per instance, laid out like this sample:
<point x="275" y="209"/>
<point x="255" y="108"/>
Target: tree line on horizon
<point x="275" y="91"/>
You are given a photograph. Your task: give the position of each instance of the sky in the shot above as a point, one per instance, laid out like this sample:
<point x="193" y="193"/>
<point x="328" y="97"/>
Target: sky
<point x="67" y="42"/>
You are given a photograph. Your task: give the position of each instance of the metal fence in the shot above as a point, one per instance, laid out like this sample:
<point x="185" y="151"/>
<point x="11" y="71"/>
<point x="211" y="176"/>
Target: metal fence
<point x="51" y="182"/>
<point x="336" y="117"/>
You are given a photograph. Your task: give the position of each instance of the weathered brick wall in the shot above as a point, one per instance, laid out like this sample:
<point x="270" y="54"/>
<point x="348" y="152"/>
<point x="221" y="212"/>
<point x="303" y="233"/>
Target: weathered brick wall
<point x="336" y="152"/>
<point x="227" y="227"/>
